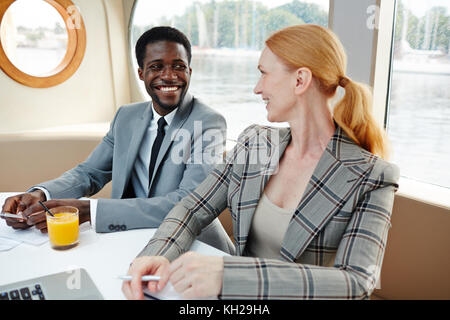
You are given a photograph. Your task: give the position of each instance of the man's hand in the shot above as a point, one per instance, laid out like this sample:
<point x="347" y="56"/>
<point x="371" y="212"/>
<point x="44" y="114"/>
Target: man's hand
<point x="141" y="266"/>
<point x="197" y="276"/>
<point x="35" y="214"/>
<point x="18" y="204"/>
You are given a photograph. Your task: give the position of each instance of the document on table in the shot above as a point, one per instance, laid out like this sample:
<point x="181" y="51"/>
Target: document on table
<point x="6" y="244"/>
<point x="168" y="293"/>
<point x="30" y="236"/>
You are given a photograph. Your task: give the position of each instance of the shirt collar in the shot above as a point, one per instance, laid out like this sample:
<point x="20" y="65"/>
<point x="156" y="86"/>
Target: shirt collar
<point x="167" y="117"/>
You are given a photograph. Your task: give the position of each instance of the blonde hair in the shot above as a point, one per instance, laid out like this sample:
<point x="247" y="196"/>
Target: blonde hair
<point x="318" y="49"/>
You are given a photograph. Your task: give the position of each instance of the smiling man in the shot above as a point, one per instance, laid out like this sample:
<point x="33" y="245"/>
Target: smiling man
<point x="165" y="70"/>
<point x="151" y="152"/>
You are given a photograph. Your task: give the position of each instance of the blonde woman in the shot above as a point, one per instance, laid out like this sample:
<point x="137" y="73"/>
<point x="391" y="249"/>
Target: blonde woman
<point x="312" y="226"/>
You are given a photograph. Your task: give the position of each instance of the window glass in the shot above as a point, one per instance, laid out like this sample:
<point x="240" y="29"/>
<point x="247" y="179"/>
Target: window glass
<point x="419" y="110"/>
<point x="34" y="36"/>
<point x="227" y="38"/>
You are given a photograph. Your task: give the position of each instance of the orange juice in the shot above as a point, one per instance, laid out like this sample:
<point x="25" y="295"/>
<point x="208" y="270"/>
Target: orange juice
<point x="63" y="227"/>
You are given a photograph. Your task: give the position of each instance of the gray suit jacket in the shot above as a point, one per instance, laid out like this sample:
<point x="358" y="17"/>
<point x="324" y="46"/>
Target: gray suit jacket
<point x="334" y="245"/>
<point x="180" y="167"/>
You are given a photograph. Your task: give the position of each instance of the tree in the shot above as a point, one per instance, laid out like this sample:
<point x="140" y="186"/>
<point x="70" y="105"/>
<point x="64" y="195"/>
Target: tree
<point x="308" y="12"/>
<point x="278" y="18"/>
<point x="58" y="29"/>
<point x="441" y="29"/>
<point x="243" y="23"/>
<point x="430" y="32"/>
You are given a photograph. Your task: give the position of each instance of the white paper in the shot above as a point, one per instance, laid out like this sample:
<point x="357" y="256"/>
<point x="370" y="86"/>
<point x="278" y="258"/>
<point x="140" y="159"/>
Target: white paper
<point x="30" y="235"/>
<point x="7" y="244"/>
<point x="168" y="293"/>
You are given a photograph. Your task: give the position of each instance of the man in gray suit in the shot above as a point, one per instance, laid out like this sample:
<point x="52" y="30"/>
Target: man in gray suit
<point x="155" y="152"/>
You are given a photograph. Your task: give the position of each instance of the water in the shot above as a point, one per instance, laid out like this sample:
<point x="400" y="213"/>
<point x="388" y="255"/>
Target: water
<point x="419" y="126"/>
<point x="226" y="83"/>
<point x="25" y="60"/>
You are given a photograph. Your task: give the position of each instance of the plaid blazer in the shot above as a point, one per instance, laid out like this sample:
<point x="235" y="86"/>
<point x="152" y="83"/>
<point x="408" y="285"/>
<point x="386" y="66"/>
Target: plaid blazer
<point x="334" y="245"/>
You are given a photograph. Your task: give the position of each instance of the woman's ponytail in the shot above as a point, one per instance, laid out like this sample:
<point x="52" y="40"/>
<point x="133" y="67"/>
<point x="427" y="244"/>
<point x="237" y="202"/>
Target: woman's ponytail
<point x="354" y="115"/>
<point x="319" y="49"/>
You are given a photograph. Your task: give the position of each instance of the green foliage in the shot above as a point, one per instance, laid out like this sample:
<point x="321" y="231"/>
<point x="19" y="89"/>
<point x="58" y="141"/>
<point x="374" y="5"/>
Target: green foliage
<point x="429" y="32"/>
<point x="278" y="19"/>
<point x="308" y="12"/>
<point x="240" y="23"/>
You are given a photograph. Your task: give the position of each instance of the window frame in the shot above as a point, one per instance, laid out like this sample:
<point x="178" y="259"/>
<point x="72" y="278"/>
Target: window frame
<point x="410" y="188"/>
<point x="76" y="47"/>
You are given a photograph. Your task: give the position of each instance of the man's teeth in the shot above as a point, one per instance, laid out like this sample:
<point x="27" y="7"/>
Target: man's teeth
<point x="167" y="89"/>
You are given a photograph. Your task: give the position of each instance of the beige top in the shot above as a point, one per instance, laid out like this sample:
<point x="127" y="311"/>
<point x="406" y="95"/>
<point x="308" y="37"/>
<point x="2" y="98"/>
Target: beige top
<point x="267" y="230"/>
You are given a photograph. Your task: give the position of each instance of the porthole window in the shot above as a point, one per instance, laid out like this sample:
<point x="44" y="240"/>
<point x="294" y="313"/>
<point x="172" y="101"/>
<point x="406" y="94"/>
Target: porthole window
<point x="42" y="42"/>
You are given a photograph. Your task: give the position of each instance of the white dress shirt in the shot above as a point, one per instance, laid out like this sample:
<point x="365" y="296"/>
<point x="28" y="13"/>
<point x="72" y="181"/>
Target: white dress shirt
<point x="139" y="175"/>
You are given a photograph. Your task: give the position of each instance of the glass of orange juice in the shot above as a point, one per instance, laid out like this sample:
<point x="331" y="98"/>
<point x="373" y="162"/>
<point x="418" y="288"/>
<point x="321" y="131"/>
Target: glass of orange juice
<point x="63" y="227"/>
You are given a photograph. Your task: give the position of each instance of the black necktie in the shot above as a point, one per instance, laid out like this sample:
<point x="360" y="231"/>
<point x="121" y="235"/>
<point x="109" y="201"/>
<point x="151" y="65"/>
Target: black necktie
<point x="156" y="146"/>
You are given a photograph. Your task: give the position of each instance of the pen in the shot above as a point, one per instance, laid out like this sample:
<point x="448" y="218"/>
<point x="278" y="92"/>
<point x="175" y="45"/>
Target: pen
<point x="45" y="208"/>
<point x="10" y="215"/>
<point x="143" y="278"/>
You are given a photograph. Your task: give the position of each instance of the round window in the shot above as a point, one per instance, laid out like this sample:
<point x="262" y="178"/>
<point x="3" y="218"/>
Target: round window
<point x="42" y="41"/>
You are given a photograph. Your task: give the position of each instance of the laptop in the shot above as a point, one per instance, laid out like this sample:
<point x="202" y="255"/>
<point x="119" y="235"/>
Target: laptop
<point x="71" y="285"/>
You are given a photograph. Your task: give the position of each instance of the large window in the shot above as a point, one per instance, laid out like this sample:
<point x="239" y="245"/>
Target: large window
<point x="419" y="111"/>
<point x="227" y="38"/>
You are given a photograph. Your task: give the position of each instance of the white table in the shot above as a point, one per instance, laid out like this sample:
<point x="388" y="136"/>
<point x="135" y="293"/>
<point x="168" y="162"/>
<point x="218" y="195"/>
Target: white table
<point x="103" y="255"/>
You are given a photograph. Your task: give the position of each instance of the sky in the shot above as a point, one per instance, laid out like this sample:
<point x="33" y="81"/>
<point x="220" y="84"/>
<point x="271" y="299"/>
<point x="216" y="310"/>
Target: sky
<point x="35" y="13"/>
<point x="419" y="7"/>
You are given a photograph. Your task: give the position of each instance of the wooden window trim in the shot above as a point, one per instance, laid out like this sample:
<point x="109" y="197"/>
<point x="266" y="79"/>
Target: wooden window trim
<point x="76" y="46"/>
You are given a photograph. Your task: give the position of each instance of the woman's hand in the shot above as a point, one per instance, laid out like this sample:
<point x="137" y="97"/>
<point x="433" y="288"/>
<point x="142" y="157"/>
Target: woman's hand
<point x="146" y="266"/>
<point x="196" y="276"/>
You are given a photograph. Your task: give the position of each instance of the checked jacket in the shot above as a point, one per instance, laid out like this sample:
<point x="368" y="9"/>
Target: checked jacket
<point x="335" y="241"/>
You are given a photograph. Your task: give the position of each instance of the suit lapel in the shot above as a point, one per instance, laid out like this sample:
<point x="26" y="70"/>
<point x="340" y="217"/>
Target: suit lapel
<point x="138" y="126"/>
<point x="337" y="175"/>
<point x="179" y="119"/>
<point x="256" y="175"/>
